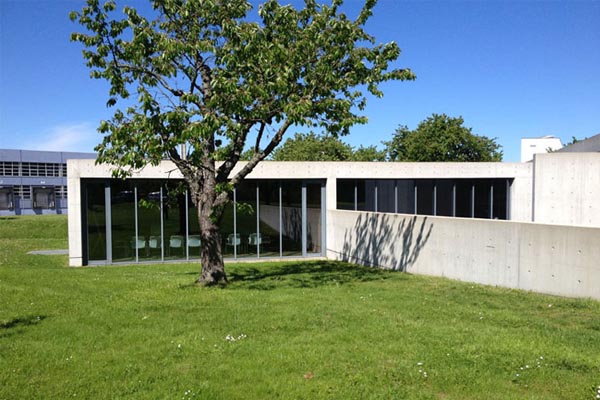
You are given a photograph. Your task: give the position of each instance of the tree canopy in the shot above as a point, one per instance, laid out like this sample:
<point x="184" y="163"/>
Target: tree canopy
<point x="206" y="75"/>
<point x="441" y="138"/>
<point x="312" y="147"/>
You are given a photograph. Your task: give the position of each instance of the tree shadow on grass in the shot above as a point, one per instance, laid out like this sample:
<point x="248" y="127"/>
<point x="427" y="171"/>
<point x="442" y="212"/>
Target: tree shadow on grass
<point x="12" y="326"/>
<point x="300" y="274"/>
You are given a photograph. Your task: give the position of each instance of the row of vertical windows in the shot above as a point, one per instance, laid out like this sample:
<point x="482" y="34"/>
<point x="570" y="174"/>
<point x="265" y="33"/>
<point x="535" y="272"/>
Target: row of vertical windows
<point x="141" y="220"/>
<point x="13" y="168"/>
<point x="9" y="168"/>
<point x="469" y="198"/>
<point x="41" y="169"/>
<point x="24" y="191"/>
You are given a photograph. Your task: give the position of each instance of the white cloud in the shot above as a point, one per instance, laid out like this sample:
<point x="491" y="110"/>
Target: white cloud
<point x="81" y="137"/>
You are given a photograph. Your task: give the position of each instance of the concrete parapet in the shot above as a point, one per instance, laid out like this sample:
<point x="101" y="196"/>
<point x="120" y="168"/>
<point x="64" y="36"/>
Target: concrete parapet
<point x="553" y="259"/>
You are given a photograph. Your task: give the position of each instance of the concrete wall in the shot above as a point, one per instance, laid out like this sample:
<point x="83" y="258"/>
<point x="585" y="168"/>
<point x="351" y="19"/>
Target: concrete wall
<point x="567" y="189"/>
<point x="553" y="259"/>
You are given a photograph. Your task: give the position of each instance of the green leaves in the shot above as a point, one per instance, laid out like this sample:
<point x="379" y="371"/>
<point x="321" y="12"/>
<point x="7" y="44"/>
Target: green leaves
<point x="205" y="73"/>
<point x="441" y="138"/>
<point x="310" y="147"/>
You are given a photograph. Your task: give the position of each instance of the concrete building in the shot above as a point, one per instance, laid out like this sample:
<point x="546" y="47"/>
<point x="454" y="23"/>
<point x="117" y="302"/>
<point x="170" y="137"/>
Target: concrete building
<point x="34" y="182"/>
<point x="538" y="145"/>
<point x="533" y="226"/>
<point x="588" y="145"/>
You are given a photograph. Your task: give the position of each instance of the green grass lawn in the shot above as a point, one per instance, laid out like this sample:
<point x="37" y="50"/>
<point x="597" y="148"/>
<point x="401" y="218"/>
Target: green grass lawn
<point x="297" y="330"/>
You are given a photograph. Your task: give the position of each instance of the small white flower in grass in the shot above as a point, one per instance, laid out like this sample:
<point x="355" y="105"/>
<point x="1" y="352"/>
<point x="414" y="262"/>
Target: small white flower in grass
<point x="419" y="363"/>
<point x="179" y="346"/>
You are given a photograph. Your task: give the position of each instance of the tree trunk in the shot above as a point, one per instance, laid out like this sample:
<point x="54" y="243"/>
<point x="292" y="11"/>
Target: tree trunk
<point x="213" y="269"/>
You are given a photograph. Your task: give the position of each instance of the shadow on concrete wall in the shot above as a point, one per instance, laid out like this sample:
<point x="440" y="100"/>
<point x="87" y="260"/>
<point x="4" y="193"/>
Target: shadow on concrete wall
<point x="373" y="241"/>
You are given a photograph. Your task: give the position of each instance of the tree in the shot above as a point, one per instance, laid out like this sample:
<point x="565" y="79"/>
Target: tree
<point x="311" y="147"/>
<point x="207" y="76"/>
<point x="441" y="138"/>
<point x="369" y="153"/>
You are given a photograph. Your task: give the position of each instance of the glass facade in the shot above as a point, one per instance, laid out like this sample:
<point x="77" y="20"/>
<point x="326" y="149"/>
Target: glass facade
<point x="468" y="198"/>
<point x="141" y="220"/>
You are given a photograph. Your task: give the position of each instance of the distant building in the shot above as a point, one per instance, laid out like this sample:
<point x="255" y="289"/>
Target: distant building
<point x="35" y="182"/>
<point x="589" y="145"/>
<point x="531" y="146"/>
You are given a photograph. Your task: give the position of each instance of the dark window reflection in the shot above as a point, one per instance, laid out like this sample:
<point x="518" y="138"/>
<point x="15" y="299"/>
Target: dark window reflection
<point x="483" y="199"/>
<point x="96" y="220"/>
<point x="386" y="195"/>
<point x="313" y="218"/>
<point x="444" y="198"/>
<point x="425" y="197"/>
<point x="406" y="196"/>
<point x="345" y="194"/>
<point x="291" y="216"/>
<point x="268" y="237"/>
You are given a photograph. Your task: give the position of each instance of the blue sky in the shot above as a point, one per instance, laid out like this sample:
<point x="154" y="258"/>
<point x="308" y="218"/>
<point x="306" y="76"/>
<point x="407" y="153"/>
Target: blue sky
<point x="511" y="69"/>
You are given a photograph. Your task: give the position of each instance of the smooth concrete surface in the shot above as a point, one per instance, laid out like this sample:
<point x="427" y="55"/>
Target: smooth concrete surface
<point x="341" y="170"/>
<point x="567" y="189"/>
<point x="74" y="225"/>
<point x="553" y="259"/>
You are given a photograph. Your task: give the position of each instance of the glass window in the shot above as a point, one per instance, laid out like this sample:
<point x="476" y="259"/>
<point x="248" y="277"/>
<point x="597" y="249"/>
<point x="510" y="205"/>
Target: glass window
<point x="501" y="188"/>
<point x="406" y="196"/>
<point x="291" y="217"/>
<point x="361" y="195"/>
<point x="370" y="195"/>
<point x="174" y="222"/>
<point x="194" y="241"/>
<point x="345" y="194"/>
<point x="463" y="198"/>
<point x="95" y="211"/>
<point x="269" y="214"/>
<point x="386" y="195"/>
<point x="245" y="238"/>
<point x="9" y="168"/>
<point x="444" y="197"/>
<point x="483" y="199"/>
<point x="313" y="218"/>
<point x="122" y="203"/>
<point x="425" y="197"/>
<point x="149" y="206"/>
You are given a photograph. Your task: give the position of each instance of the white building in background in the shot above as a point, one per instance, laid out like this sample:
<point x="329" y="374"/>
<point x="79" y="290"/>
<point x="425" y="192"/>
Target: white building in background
<point x="531" y="146"/>
<point x="532" y="226"/>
